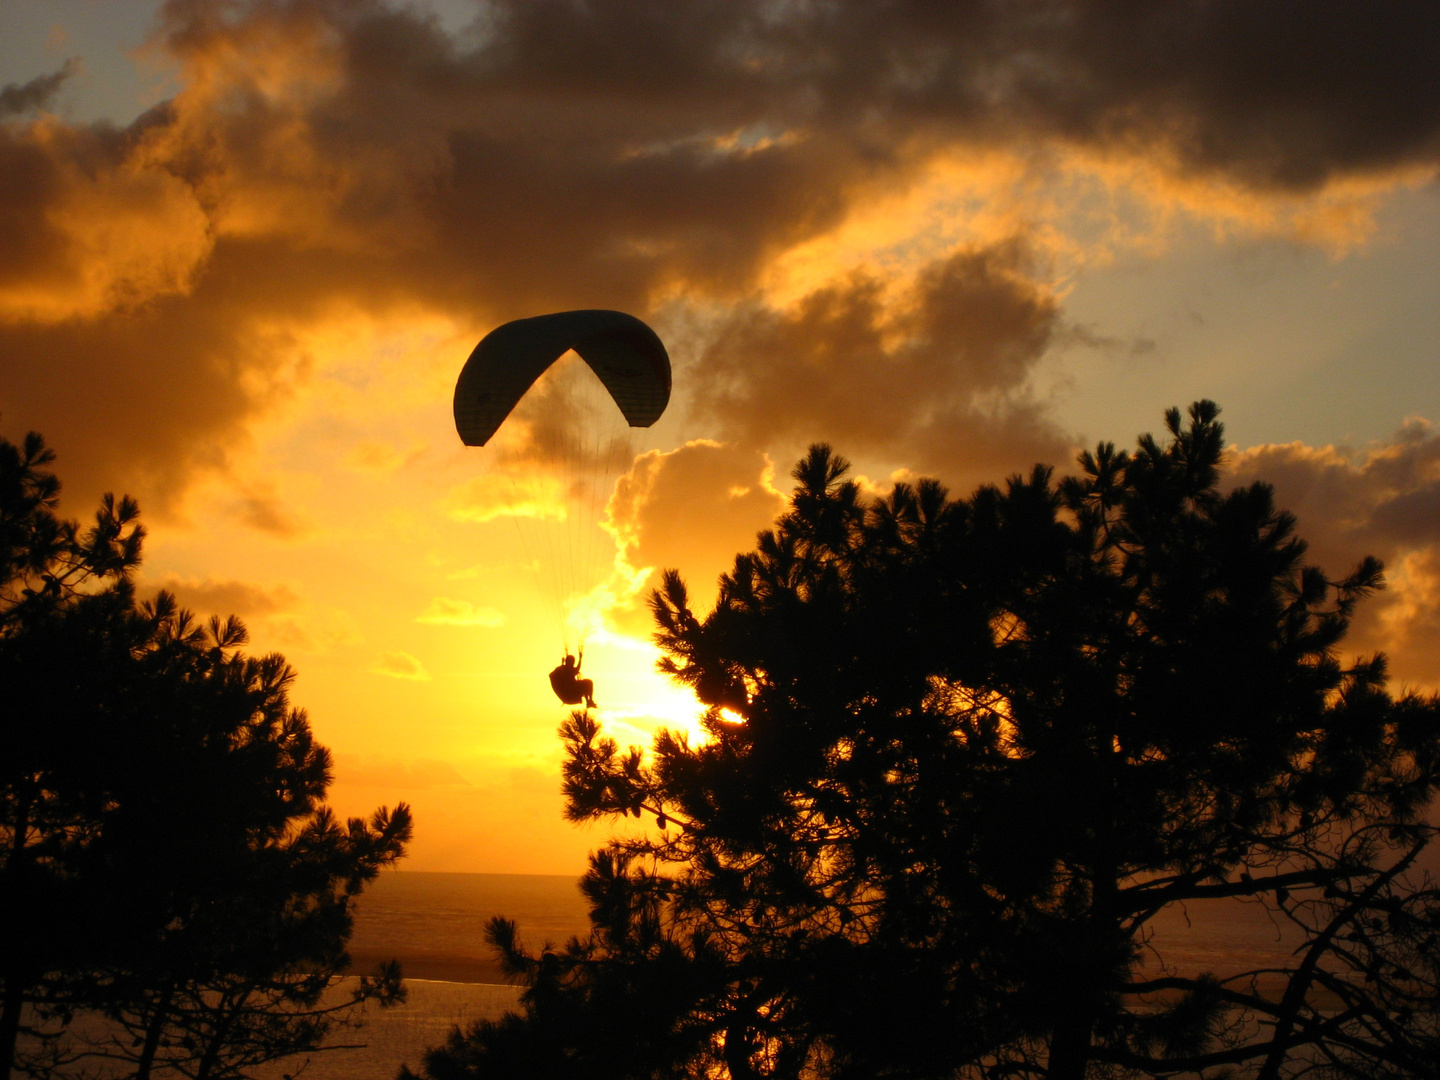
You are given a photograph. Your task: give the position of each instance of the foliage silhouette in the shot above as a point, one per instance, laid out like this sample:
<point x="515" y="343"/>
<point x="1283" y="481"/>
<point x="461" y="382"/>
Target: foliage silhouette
<point x="960" y="754"/>
<point x="167" y="860"/>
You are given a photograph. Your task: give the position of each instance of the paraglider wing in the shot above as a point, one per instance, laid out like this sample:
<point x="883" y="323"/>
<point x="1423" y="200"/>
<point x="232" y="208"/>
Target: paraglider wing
<point x="626" y="355"/>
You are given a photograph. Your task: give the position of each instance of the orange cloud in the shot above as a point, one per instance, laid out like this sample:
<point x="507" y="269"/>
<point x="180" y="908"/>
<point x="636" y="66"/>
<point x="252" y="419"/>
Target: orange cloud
<point x="380" y="457"/>
<point x="443" y="611"/>
<point x="211" y="596"/>
<point x="400" y="665"/>
<point x="691" y="509"/>
<point x="88" y="227"/>
<point x="277" y="616"/>
<point x="508" y="493"/>
<point x="417" y="774"/>
<point x="259" y="506"/>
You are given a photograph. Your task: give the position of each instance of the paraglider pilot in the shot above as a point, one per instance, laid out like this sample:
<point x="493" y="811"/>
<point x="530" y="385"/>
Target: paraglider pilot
<point x="626" y="356"/>
<point x="569" y="687"/>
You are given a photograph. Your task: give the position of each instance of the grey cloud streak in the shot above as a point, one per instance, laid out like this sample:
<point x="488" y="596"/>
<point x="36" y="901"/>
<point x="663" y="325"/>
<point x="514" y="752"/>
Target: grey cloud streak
<point x="37" y="93"/>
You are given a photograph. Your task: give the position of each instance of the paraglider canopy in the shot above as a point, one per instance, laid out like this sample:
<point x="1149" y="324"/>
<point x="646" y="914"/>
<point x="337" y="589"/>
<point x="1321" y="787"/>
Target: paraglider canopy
<point x="626" y="355"/>
<point x="568" y="452"/>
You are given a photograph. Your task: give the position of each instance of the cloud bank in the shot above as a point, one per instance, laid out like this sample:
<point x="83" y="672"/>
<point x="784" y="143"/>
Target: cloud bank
<point x="325" y="156"/>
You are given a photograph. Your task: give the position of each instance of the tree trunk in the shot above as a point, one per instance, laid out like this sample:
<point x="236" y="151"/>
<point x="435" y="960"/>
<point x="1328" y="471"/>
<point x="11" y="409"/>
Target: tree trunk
<point x="153" y="1031"/>
<point x="1070" y="1042"/>
<point x="15" y="981"/>
<point x="14" y="1002"/>
<point x="227" y="1009"/>
<point x="1091" y="972"/>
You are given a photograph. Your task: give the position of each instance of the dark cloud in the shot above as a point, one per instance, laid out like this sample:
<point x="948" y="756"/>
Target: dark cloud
<point x="209" y="596"/>
<point x="1383" y="501"/>
<point x="1280" y="95"/>
<point x="87" y="229"/>
<point x="1284" y="94"/>
<point x="933" y="376"/>
<point x="345" y="154"/>
<point x="17" y="98"/>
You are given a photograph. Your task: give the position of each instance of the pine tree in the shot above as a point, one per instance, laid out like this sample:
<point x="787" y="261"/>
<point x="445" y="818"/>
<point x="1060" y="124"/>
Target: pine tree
<point x="959" y="755"/>
<point x="167" y="861"/>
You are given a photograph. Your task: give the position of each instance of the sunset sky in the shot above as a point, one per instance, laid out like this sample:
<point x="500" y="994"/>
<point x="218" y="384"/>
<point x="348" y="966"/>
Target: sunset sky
<point x="245" y="248"/>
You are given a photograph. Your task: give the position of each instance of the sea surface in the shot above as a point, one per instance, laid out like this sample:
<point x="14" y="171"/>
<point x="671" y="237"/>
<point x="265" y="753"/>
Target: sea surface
<point x="434" y="924"/>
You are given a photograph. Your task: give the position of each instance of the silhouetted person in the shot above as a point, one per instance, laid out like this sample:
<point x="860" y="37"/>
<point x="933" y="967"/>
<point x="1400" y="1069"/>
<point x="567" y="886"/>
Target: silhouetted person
<point x="569" y="687"/>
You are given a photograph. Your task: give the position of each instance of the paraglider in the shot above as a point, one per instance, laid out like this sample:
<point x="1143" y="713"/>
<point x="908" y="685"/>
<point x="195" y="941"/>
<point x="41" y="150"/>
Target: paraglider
<point x="626" y="355"/>
<point x="632" y="388"/>
<point x="569" y="687"/>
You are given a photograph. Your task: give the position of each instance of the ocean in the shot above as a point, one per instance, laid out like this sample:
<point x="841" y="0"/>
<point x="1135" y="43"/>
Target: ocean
<point x="434" y="924"/>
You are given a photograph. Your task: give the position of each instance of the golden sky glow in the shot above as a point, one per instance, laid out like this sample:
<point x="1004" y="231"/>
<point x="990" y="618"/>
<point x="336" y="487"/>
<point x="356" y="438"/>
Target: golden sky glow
<point x="247" y="247"/>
